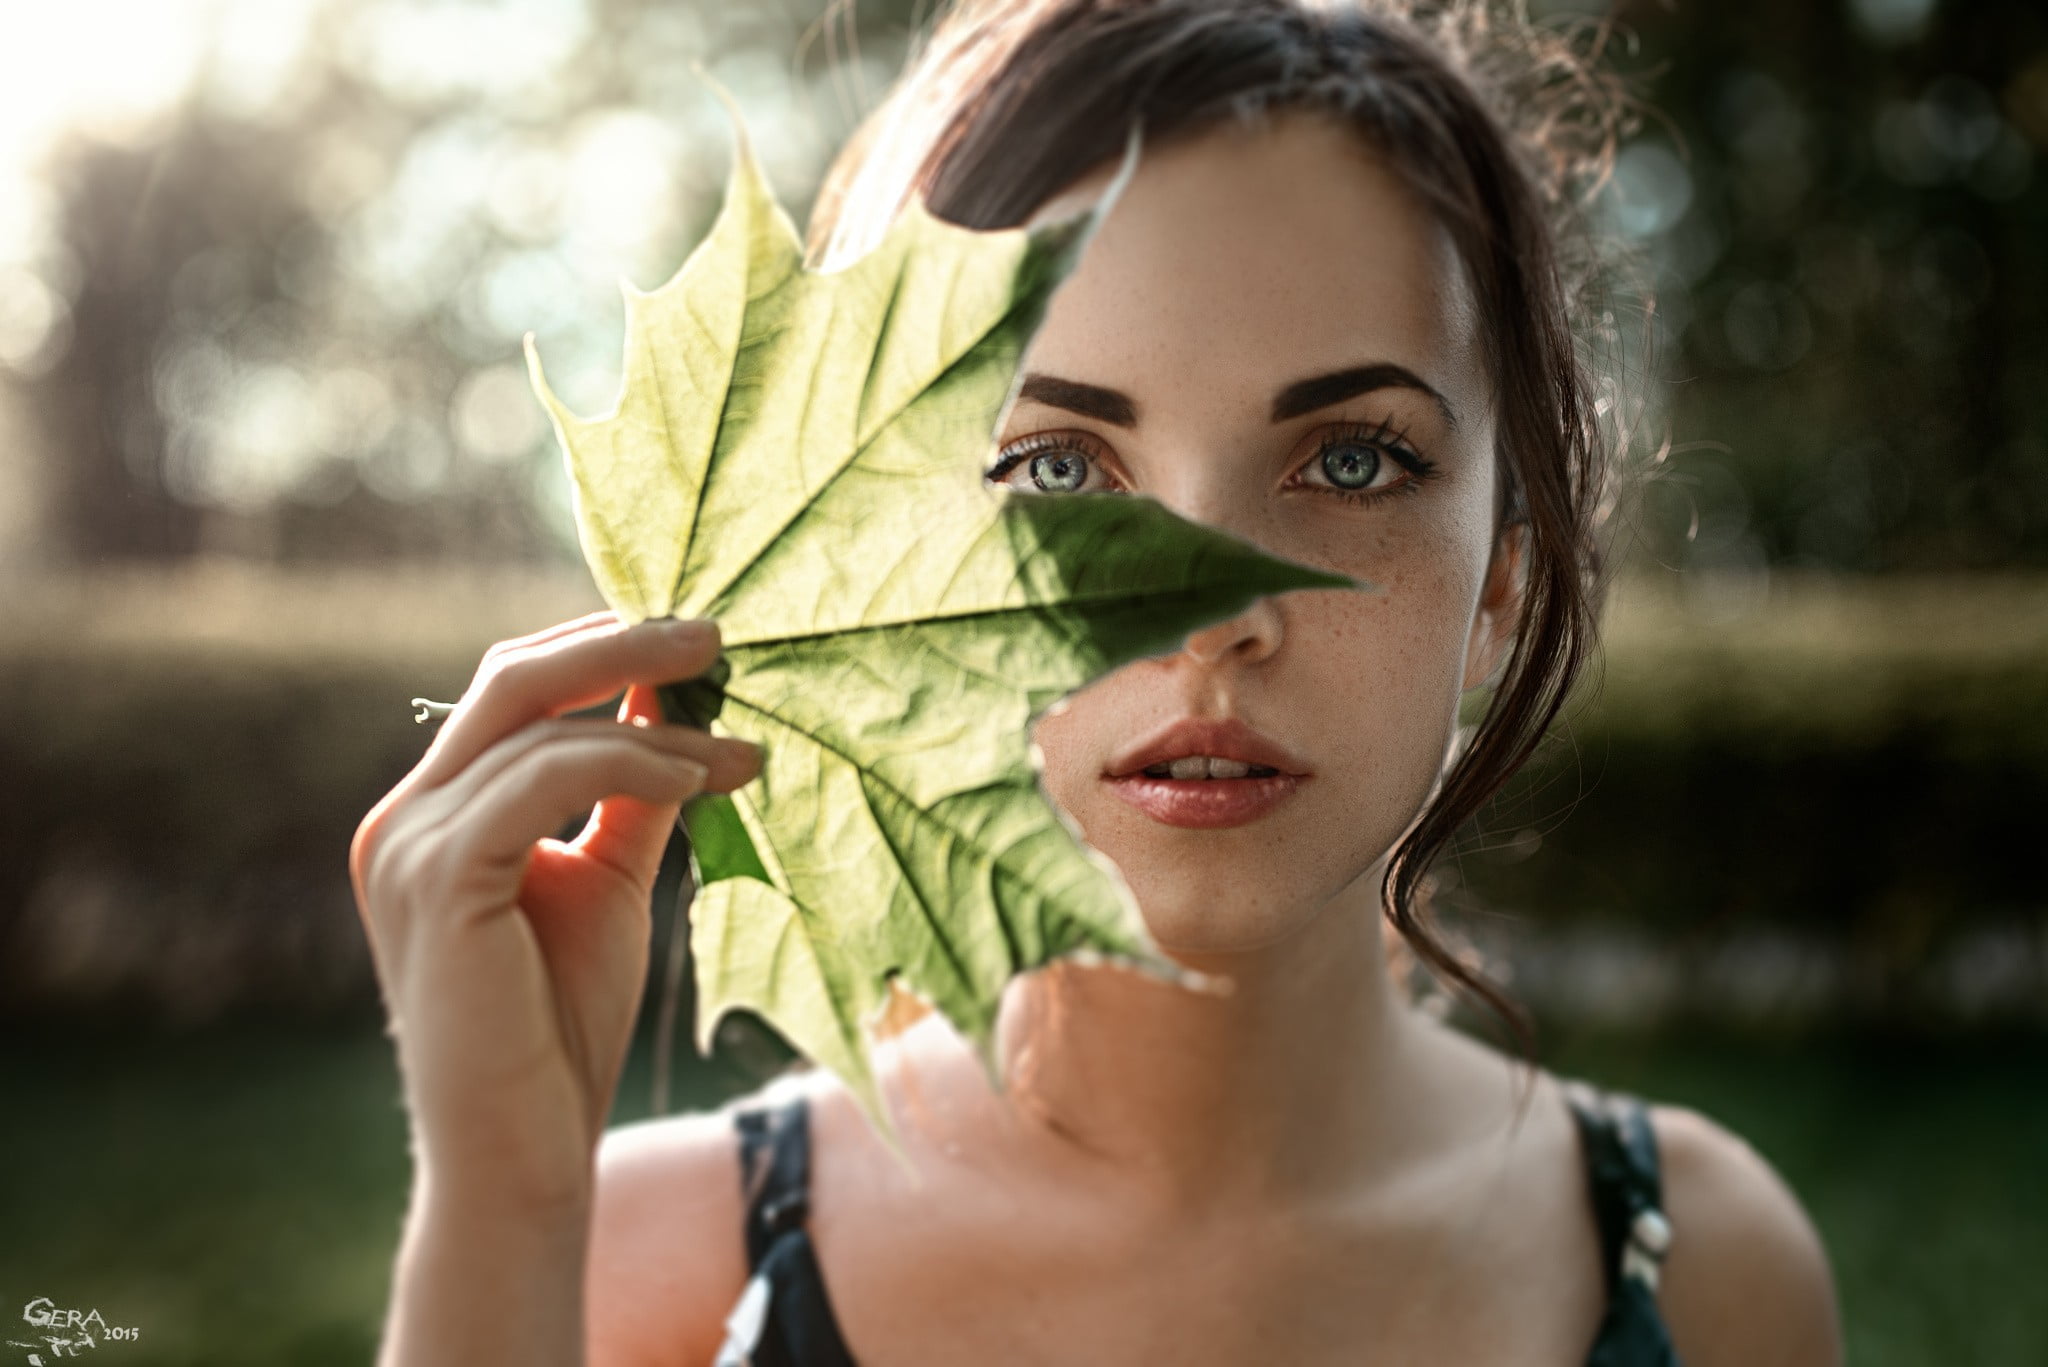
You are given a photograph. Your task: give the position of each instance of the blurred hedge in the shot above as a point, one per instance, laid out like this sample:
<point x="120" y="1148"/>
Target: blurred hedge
<point x="186" y="754"/>
<point x="1844" y="779"/>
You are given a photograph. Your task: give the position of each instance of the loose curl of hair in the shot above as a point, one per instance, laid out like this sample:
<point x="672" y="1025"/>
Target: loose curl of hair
<point x="1504" y="127"/>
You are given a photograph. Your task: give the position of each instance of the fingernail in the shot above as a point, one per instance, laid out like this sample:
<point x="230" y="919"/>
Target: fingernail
<point x="690" y="628"/>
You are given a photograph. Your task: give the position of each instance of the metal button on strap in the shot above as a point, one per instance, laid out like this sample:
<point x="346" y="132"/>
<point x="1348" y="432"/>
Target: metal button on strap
<point x="1649" y="1239"/>
<point x="785" y="1211"/>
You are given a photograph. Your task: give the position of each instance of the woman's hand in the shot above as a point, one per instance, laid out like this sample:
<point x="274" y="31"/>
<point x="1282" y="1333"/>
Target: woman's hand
<point x="512" y="963"/>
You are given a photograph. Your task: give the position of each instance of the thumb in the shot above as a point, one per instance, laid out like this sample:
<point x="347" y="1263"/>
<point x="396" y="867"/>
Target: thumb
<point x="625" y="832"/>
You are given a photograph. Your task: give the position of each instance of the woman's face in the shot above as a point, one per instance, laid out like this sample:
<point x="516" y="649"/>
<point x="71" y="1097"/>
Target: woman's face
<point x="1235" y="267"/>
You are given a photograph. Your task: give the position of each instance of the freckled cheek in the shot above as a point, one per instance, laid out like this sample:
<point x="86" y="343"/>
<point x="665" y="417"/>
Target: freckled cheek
<point x="1426" y="576"/>
<point x="1381" y="680"/>
<point x="1067" y="742"/>
<point x="1388" y="666"/>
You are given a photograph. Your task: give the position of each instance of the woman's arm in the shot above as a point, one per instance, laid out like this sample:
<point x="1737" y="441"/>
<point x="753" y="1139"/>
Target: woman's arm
<point x="1746" y="1283"/>
<point x="657" y="1253"/>
<point x="479" y="1280"/>
<point x="511" y="966"/>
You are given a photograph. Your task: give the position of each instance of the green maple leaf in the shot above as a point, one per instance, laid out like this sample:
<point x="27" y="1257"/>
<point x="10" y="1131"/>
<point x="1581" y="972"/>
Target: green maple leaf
<point x="799" y="455"/>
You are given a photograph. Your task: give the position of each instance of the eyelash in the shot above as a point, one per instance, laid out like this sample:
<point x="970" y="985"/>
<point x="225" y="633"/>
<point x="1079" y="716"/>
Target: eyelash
<point x="1381" y="435"/>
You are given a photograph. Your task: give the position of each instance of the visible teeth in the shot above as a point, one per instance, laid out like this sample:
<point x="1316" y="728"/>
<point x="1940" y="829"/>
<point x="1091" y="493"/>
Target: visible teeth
<point x="1204" y="766"/>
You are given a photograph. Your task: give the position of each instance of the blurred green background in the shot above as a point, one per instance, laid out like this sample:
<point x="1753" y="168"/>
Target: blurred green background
<point x="271" y="468"/>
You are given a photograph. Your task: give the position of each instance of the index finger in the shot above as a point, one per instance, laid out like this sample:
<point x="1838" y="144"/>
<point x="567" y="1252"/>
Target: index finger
<point x="540" y="678"/>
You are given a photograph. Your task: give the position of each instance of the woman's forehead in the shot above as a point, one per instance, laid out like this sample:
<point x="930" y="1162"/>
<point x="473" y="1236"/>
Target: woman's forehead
<point x="1262" y="255"/>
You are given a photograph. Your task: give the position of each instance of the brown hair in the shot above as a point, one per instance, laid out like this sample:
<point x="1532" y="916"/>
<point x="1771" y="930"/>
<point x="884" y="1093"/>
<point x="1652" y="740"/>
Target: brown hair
<point x="1504" y="128"/>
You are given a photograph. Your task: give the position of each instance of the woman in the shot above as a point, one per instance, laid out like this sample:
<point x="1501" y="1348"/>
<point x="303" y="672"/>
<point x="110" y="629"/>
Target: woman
<point x="1331" y="313"/>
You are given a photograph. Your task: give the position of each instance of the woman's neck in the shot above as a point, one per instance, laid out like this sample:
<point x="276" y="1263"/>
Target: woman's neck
<point x="1283" y="1085"/>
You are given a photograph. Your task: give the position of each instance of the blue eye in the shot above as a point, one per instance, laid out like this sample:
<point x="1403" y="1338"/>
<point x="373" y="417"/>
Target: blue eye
<point x="1052" y="463"/>
<point x="1360" y="463"/>
<point x="1058" y="472"/>
<point x="1350" y="464"/>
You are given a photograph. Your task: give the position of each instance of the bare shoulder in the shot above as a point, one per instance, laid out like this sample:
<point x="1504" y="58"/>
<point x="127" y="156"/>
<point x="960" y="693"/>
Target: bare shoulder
<point x="1747" y="1280"/>
<point x="667" y="1260"/>
<point x="667" y="1253"/>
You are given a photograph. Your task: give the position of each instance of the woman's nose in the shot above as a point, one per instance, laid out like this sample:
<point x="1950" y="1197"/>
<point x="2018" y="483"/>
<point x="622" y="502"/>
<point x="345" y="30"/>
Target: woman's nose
<point x="1254" y="633"/>
<point x="1251" y="635"/>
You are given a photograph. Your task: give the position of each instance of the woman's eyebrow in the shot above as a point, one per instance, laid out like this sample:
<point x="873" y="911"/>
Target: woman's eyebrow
<point x="1320" y="391"/>
<point x="1303" y="396"/>
<point x="1090" y="401"/>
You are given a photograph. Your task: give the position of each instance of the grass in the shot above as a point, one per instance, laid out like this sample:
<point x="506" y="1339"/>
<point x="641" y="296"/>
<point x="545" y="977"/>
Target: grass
<point x="189" y="750"/>
<point x="236" y="1193"/>
<point x="1921" y="1162"/>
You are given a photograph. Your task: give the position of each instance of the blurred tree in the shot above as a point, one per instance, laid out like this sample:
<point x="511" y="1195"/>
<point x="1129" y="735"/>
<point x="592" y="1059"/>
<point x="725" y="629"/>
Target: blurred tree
<point x="295" y="308"/>
<point x="105" y="493"/>
<point x="1848" y="214"/>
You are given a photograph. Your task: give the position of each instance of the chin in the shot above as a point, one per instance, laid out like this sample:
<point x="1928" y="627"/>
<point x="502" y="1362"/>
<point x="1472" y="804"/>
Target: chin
<point x="1187" y="918"/>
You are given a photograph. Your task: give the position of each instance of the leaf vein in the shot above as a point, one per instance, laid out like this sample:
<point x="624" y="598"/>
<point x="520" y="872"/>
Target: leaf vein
<point x="754" y="558"/>
<point x="993" y="858"/>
